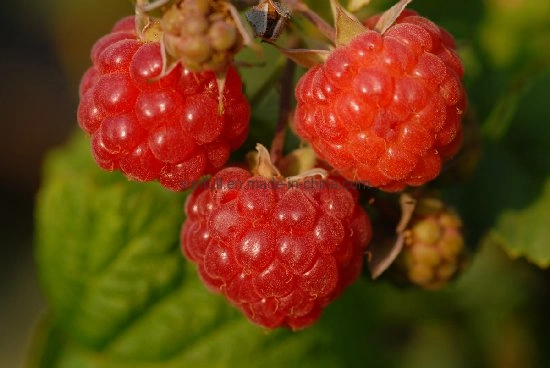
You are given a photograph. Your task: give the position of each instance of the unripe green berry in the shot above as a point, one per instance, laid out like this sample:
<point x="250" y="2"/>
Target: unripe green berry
<point x="196" y="48"/>
<point x="222" y="35"/>
<point x="454" y="244"/>
<point x="427" y="232"/>
<point x="420" y="274"/>
<point x="199" y="7"/>
<point x="172" y="21"/>
<point x="425" y="254"/>
<point x="194" y="26"/>
<point x="434" y="249"/>
<point x="201" y="34"/>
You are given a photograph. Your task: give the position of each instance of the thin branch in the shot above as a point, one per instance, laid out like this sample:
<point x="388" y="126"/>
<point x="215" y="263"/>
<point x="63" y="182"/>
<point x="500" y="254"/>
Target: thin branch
<point x="285" y="109"/>
<point x="326" y="29"/>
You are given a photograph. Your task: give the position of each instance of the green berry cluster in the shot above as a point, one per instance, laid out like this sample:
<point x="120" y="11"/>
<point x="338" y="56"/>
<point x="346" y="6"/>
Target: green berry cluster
<point x="201" y="34"/>
<point x="434" y="245"/>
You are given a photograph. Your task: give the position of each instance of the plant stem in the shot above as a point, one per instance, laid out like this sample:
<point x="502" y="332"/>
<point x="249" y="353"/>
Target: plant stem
<point x="326" y="29"/>
<point x="285" y="109"/>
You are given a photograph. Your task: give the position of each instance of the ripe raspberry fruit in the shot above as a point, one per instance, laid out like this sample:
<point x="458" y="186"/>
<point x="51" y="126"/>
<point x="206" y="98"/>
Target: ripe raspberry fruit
<point x="279" y="253"/>
<point x="386" y="108"/>
<point x="175" y="128"/>
<point x="434" y="246"/>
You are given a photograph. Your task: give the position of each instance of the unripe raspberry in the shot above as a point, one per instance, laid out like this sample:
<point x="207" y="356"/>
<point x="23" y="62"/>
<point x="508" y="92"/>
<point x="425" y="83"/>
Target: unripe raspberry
<point x="434" y="251"/>
<point x="173" y="128"/>
<point x="386" y="109"/>
<point x="202" y="34"/>
<point x="222" y="35"/>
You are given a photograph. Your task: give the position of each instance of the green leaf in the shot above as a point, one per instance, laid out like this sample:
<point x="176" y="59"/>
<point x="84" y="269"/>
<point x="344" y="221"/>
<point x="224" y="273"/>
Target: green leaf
<point x="500" y="183"/>
<point x="122" y="295"/>
<point x="529" y="132"/>
<point x="513" y="168"/>
<point x="525" y="233"/>
<point x="185" y="325"/>
<point x="232" y="341"/>
<point x="107" y="249"/>
<point x="257" y="73"/>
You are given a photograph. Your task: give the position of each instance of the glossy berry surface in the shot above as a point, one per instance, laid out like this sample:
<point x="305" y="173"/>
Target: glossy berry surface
<point x="172" y="129"/>
<point x="386" y="109"/>
<point x="279" y="253"/>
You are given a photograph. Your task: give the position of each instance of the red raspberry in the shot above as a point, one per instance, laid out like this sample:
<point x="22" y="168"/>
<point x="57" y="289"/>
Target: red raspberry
<point x="280" y="253"/>
<point x="386" y="108"/>
<point x="168" y="129"/>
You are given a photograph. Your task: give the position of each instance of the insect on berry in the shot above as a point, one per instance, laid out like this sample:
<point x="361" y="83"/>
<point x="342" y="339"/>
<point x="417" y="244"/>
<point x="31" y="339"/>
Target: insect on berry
<point x="268" y="19"/>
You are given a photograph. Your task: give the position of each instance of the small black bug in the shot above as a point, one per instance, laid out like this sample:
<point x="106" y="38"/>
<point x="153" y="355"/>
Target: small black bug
<point x="268" y="19"/>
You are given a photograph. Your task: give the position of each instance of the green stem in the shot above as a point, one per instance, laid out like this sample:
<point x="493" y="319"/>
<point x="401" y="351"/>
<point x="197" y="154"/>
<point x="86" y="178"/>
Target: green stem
<point x="326" y="29"/>
<point x="285" y="109"/>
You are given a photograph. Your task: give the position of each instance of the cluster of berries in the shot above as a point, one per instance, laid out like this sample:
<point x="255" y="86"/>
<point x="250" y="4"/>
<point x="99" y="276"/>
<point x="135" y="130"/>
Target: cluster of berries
<point x="383" y="109"/>
<point x="201" y="34"/>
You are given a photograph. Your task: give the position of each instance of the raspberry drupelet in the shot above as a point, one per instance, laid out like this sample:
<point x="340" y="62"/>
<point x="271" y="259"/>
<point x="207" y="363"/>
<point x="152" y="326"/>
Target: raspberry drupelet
<point x="173" y="128"/>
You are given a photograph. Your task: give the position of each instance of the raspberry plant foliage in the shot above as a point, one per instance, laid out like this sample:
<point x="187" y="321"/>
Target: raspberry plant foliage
<point x="164" y="102"/>
<point x="124" y="293"/>
<point x="125" y="296"/>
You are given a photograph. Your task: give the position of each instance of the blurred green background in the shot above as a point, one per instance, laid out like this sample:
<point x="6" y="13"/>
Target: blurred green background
<point x="496" y="315"/>
<point x="44" y="50"/>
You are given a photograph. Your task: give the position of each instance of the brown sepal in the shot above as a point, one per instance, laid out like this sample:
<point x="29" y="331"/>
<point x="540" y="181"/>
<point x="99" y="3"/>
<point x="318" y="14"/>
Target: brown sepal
<point x="304" y="57"/>
<point x="263" y="165"/>
<point x="389" y="17"/>
<point x="347" y="25"/>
